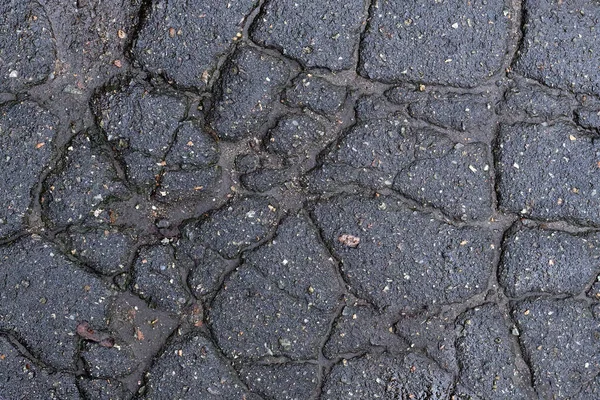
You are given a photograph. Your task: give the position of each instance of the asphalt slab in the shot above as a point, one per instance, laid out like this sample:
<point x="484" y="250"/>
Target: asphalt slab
<point x="299" y="200"/>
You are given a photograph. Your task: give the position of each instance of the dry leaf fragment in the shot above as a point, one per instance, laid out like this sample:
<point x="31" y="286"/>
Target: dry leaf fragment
<point x="349" y="240"/>
<point x="138" y="334"/>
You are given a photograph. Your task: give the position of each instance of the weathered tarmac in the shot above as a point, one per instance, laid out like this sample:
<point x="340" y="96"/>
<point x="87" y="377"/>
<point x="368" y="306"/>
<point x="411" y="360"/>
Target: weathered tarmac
<point x="277" y="200"/>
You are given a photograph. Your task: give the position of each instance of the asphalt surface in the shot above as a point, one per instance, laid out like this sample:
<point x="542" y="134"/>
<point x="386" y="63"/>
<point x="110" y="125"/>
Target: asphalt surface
<point x="280" y="199"/>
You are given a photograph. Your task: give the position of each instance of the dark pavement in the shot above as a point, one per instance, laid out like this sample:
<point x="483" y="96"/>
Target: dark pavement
<point x="294" y="199"/>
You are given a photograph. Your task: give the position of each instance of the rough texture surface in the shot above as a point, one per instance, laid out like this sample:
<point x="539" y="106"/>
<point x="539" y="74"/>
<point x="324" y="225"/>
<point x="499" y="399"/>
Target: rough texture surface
<point x="388" y="376"/>
<point x="27" y="50"/>
<point x="560" y="44"/>
<point x="536" y="260"/>
<point x="282" y="298"/>
<point x="282" y="381"/>
<point x="189" y="368"/>
<point x="419" y="163"/>
<point x="182" y="42"/>
<point x="448" y="42"/>
<point x="244" y="222"/>
<point x="299" y="200"/>
<point x="20" y="378"/>
<point x="246" y="98"/>
<point x="315" y="93"/>
<point x="404" y="258"/>
<point x="485" y="354"/>
<point x="25" y="149"/>
<point x="549" y="172"/>
<point x="64" y="296"/>
<point x="319" y="34"/>
<point x="76" y="192"/>
<point x="158" y="279"/>
<point x="560" y="340"/>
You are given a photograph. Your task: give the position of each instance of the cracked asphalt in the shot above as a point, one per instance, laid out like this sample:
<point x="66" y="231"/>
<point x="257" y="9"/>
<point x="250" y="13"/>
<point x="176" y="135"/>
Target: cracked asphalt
<point x="294" y="199"/>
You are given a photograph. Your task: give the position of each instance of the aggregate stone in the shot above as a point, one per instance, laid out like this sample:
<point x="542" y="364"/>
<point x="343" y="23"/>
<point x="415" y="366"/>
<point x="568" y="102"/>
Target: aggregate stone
<point x="252" y="318"/>
<point x="103" y="249"/>
<point x="537" y="260"/>
<point x="531" y="102"/>
<point x="108" y="362"/>
<point x="443" y="42"/>
<point x="386" y="376"/>
<point x="20" y="378"/>
<point x="461" y="112"/>
<point x="316" y="93"/>
<point x="75" y="192"/>
<point x="25" y="149"/>
<point x="432" y="332"/>
<point x="243" y="222"/>
<point x="549" y="172"/>
<point x="250" y="85"/>
<point x="45" y="299"/>
<point x="192" y="368"/>
<point x="358" y="329"/>
<point x="158" y="279"/>
<point x="141" y="123"/>
<point x="183" y="41"/>
<point x="560" y="44"/>
<point x="459" y="182"/>
<point x="27" y="47"/>
<point x="485" y="353"/>
<point x="404" y="259"/>
<point x="561" y="343"/>
<point x="294" y="134"/>
<point x="282" y="381"/>
<point x="281" y="300"/>
<point x="319" y="34"/>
